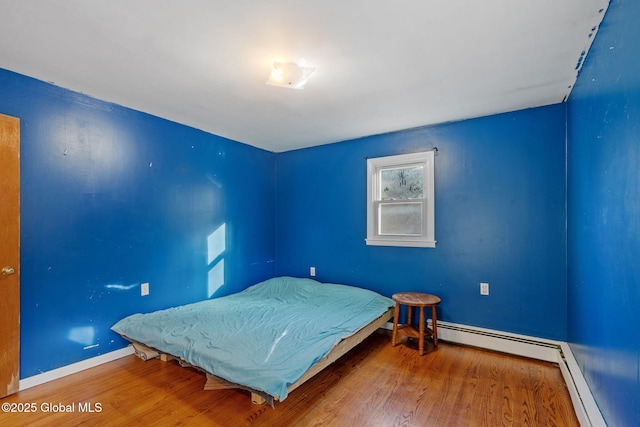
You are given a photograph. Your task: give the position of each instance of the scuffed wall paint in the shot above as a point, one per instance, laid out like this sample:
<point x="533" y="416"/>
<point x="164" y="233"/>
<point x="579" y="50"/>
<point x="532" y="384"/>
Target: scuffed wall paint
<point x="113" y="198"/>
<point x="604" y="216"/>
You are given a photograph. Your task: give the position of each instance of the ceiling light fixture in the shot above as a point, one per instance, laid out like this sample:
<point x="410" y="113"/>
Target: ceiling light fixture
<point x="289" y="74"/>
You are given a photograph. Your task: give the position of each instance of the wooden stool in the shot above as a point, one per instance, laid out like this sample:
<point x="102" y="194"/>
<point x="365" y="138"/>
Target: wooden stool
<point x="420" y="300"/>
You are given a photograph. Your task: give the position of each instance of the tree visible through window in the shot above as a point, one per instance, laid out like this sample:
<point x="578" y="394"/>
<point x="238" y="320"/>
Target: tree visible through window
<point x="402" y="190"/>
<point x="400" y="200"/>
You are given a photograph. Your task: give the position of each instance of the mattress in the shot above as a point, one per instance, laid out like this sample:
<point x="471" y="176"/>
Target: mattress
<point x="265" y="337"/>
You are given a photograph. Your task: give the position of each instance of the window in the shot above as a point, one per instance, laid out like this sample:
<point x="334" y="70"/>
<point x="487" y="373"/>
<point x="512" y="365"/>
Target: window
<point x="400" y="200"/>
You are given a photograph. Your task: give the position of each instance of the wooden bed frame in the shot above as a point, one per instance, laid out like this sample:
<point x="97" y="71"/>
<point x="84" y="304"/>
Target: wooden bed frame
<point x="257" y="397"/>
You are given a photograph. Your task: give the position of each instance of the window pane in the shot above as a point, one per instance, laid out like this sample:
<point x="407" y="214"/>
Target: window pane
<point x="401" y="183"/>
<point x="400" y="219"/>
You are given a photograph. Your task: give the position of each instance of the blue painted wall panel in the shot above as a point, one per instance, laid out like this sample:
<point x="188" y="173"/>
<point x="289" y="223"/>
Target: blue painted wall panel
<point x="500" y="218"/>
<point x="604" y="216"/>
<point x="112" y="198"/>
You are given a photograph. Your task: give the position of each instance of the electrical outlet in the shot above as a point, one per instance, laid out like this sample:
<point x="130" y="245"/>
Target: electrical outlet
<point x="144" y="289"/>
<point x="484" y="289"/>
<point x="312" y="271"/>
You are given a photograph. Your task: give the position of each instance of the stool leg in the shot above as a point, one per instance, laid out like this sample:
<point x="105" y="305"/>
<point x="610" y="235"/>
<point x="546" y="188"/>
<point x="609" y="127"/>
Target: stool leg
<point x="396" y="315"/>
<point x="435" y="326"/>
<point x="421" y="333"/>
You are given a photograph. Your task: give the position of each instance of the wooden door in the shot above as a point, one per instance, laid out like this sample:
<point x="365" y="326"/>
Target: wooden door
<point x="9" y="255"/>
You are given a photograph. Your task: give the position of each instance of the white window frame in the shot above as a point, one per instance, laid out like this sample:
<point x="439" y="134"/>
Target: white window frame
<point x="427" y="237"/>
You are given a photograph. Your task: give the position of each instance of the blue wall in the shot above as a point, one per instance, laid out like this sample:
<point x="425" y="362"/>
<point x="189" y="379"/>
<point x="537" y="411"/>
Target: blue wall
<point x="500" y="218"/>
<point x="604" y="216"/>
<point x="112" y="198"/>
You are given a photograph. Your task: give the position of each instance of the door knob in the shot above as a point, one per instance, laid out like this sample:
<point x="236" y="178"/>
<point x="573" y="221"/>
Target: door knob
<point x="8" y="271"/>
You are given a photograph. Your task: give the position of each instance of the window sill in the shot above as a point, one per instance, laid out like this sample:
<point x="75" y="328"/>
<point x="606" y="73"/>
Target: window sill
<point x="402" y="243"/>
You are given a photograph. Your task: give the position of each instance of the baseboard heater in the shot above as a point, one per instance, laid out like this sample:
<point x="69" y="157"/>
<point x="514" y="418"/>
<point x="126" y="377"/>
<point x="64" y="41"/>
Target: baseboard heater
<point x="557" y="352"/>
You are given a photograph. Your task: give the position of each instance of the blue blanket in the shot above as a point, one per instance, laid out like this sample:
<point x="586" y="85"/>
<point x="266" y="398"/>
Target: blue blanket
<point x="265" y="337"/>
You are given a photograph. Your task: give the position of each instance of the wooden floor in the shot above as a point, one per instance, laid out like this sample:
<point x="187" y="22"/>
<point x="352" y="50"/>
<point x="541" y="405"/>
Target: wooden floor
<point x="373" y="385"/>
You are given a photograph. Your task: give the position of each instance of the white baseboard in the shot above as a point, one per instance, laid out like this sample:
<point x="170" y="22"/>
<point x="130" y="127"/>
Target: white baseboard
<point x="558" y="352"/>
<point x="579" y="389"/>
<point x="73" y="368"/>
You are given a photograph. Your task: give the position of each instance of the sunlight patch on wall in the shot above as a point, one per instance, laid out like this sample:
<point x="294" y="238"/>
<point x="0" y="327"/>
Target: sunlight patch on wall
<point x="83" y="335"/>
<point x="121" y="287"/>
<point x="216" y="278"/>
<point x="216" y="245"/>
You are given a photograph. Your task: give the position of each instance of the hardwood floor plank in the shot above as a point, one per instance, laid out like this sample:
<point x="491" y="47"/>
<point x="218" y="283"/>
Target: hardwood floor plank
<point x="373" y="385"/>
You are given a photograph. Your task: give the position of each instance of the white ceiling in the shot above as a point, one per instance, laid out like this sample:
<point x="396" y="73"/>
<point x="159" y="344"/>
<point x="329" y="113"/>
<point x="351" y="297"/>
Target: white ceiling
<point x="381" y="65"/>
